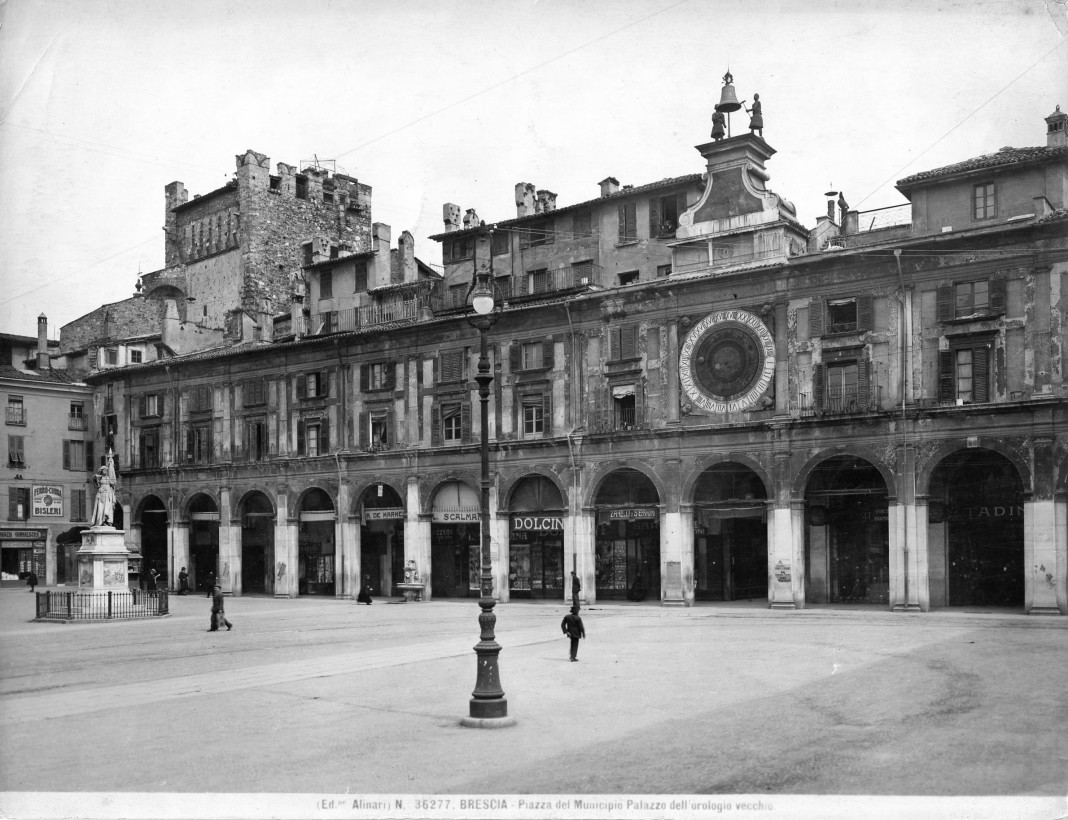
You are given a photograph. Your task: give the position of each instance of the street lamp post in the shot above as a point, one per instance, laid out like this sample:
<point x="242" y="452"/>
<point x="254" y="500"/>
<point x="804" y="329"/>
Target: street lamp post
<point x="488" y="706"/>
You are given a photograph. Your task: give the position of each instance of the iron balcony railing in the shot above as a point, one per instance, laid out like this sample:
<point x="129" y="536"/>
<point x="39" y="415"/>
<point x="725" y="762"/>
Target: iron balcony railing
<point x="77" y="422"/>
<point x="16" y="414"/>
<point x="338" y="321"/>
<point x="841" y="401"/>
<point x="102" y="606"/>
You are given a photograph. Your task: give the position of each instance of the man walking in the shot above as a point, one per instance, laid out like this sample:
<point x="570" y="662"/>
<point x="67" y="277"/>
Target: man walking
<point x="576" y="588"/>
<point x="573" y="628"/>
<point x="218" y="613"/>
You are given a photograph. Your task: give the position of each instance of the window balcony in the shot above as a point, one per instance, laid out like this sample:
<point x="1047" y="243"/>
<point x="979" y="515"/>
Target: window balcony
<point x="16" y="414"/>
<point x="77" y="422"/>
<point x="841" y="401"/>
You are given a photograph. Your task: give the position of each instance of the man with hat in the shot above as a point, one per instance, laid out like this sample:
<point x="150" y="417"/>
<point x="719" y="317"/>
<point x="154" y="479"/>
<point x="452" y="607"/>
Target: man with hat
<point x="218" y="613"/>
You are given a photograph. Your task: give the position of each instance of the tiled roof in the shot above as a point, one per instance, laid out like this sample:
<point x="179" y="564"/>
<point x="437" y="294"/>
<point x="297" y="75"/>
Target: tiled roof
<point x="1006" y="156"/>
<point x="51" y="375"/>
<point x="622" y="192"/>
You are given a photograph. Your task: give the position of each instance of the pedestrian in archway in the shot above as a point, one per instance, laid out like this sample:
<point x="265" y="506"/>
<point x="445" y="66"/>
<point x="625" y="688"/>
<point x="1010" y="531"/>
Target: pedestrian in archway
<point x="210" y="584"/>
<point x="183" y="582"/>
<point x="365" y="591"/>
<point x="576" y="588"/>
<point x="31" y="579"/>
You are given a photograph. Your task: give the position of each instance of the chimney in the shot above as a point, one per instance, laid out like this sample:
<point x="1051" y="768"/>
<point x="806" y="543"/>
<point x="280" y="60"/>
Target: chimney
<point x="1057" y="129"/>
<point x="174" y="195"/>
<point x="43" y="359"/>
<point x="524" y="199"/>
<point x="406" y="245"/>
<point x="609" y="185"/>
<point x="470" y="219"/>
<point x="546" y="201"/>
<point x="380" y="265"/>
<point x="450" y="214"/>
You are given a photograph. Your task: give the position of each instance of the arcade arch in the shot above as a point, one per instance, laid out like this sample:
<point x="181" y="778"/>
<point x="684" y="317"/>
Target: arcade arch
<point x="627" y="546"/>
<point x="536" y="539"/>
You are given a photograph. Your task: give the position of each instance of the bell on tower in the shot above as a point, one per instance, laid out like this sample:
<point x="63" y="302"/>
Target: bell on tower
<point x="728" y="102"/>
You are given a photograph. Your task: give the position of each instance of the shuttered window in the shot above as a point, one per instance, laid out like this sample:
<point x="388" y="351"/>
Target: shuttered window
<point x="377" y="376"/>
<point x="18" y="503"/>
<point x="74" y="456"/>
<point x="964" y="373"/>
<point x="452" y="366"/>
<point x="313" y="437"/>
<point x="16" y="451"/>
<point x="536" y="412"/>
<point x="452" y="424"/>
<point x="628" y="222"/>
<point x="77" y="505"/>
<point x="315" y="385"/>
<point x="971" y="300"/>
<point x="200" y="399"/>
<point x="254" y="392"/>
<point x="623" y="342"/>
<point x="581" y="224"/>
<point x="664" y="215"/>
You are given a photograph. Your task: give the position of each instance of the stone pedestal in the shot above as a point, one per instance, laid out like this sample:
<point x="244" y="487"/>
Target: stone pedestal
<point x="103" y="566"/>
<point x="103" y="560"/>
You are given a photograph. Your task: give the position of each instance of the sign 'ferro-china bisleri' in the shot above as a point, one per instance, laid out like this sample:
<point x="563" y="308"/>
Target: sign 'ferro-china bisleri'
<point x="727" y="361"/>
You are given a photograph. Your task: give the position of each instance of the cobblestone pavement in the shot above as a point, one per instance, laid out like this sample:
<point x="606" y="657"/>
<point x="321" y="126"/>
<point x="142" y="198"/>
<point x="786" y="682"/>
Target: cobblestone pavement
<point x="327" y="697"/>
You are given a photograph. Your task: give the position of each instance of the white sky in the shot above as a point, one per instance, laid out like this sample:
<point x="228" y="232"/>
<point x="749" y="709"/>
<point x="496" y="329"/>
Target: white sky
<point x="103" y="102"/>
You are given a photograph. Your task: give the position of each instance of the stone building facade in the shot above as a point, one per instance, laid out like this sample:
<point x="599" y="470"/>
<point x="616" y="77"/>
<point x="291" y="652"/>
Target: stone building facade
<point x="695" y="398"/>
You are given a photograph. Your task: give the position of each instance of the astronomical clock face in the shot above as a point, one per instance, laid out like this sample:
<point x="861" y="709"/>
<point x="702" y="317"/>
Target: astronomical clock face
<point x="727" y="361"/>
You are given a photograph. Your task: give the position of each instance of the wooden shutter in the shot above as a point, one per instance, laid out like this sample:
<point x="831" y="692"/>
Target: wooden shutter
<point x="324" y="383"/>
<point x="90" y="462"/>
<point x="628" y="338"/>
<point x="547" y="413"/>
<point x="465" y="422"/>
<point x="622" y="223"/>
<point x="302" y="386"/>
<point x="515" y="361"/>
<point x="816" y="310"/>
<point x="142" y="406"/>
<point x="66" y="455"/>
<point x="863" y="384"/>
<point x="435" y="425"/>
<point x="190" y="444"/>
<point x="996" y="296"/>
<point x="946" y="303"/>
<point x="981" y="374"/>
<point x="817" y="386"/>
<point x="947" y="389"/>
<point x="324" y="435"/>
<point x="614" y="346"/>
<point x="547" y="354"/>
<point x="13" y="504"/>
<point x="365" y="431"/>
<point x="300" y="437"/>
<point x="390" y="375"/>
<point x="365" y="377"/>
<point x="391" y="426"/>
<point x="654" y="218"/>
<point x="865" y="312"/>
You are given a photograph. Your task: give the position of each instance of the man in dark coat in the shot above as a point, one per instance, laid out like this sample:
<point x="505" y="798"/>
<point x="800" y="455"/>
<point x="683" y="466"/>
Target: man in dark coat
<point x="364" y="596"/>
<point x="576" y="588"/>
<point x="183" y="582"/>
<point x="210" y="584"/>
<point x="573" y="628"/>
<point x="31" y="579"/>
<point x="150" y="584"/>
<point x="218" y="612"/>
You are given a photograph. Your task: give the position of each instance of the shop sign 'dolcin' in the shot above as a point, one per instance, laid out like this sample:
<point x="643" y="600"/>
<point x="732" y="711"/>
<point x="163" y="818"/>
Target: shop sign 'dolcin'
<point x="727" y="361"/>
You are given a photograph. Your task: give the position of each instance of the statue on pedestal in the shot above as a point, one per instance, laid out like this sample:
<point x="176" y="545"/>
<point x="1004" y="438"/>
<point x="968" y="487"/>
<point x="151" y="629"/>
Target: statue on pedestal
<point x="104" y="508"/>
<point x="756" y="117"/>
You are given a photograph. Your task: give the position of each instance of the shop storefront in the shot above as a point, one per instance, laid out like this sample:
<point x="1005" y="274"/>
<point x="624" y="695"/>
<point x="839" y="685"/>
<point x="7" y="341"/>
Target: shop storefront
<point x="536" y="556"/>
<point x="627" y="547"/>
<point x="730" y="539"/>
<point x="382" y="538"/>
<point x="976" y="525"/>
<point x="315" y="544"/>
<point x="22" y="551"/>
<point x="203" y="545"/>
<point x="536" y="540"/>
<point x="154" y="526"/>
<point x="847" y="548"/>
<point x="455" y="542"/>
<point x="257" y="543"/>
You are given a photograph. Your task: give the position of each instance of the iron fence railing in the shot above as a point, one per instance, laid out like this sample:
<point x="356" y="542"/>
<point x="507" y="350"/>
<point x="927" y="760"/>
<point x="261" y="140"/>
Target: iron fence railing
<point x="100" y="605"/>
<point x="338" y="321"/>
<point x="888" y="217"/>
<point x="840" y="402"/>
<point x="16" y="415"/>
<point x="77" y="422"/>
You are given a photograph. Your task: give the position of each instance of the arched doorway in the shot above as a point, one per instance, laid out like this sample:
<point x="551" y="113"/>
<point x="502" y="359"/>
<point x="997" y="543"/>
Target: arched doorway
<point x="536" y="539"/>
<point x="455" y="542"/>
<point x="382" y="537"/>
<point x="203" y="541"/>
<point x="730" y="542"/>
<point x="315" y="544"/>
<point x="847" y="543"/>
<point x="628" y="536"/>
<point x="257" y="543"/>
<point x="154" y="521"/>
<point x="975" y="536"/>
